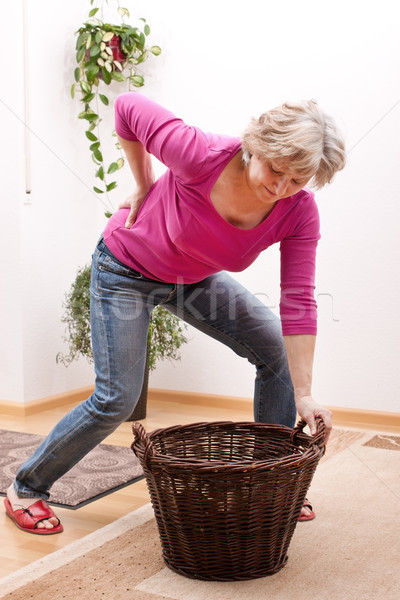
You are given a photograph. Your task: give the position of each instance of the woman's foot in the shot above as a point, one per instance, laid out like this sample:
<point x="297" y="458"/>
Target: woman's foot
<point x="307" y="513"/>
<point x="18" y="503"/>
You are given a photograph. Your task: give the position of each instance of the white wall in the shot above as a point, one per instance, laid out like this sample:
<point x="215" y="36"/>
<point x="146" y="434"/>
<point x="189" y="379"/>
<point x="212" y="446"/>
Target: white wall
<point x="11" y="345"/>
<point x="222" y="62"/>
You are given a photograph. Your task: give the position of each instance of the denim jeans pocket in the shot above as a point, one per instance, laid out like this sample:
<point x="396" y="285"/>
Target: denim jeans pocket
<point x="107" y="262"/>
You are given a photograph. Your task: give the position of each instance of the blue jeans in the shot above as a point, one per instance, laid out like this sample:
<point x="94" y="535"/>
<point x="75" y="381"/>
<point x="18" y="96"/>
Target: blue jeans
<point x="121" y="304"/>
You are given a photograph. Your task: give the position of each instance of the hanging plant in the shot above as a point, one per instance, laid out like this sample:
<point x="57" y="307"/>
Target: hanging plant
<point x="107" y="53"/>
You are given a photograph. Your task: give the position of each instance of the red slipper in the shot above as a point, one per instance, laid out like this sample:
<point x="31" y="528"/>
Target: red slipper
<point x="27" y="519"/>
<point x="309" y="517"/>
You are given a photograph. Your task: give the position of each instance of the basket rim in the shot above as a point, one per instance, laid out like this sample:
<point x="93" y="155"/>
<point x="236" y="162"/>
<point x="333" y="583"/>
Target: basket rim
<point x="310" y="451"/>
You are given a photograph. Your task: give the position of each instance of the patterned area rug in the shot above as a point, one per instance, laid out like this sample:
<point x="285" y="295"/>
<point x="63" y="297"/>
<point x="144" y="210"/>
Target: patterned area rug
<point x="104" y="470"/>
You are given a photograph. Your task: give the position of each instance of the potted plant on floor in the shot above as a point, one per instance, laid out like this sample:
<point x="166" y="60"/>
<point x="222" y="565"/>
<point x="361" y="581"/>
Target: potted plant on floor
<point x="165" y="337"/>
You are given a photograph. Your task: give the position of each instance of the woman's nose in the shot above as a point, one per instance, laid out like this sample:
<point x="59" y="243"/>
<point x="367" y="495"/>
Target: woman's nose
<point x="280" y="184"/>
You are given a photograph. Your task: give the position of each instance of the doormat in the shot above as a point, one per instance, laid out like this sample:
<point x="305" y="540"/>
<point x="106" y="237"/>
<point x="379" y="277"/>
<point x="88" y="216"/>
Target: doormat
<point x="104" y="470"/>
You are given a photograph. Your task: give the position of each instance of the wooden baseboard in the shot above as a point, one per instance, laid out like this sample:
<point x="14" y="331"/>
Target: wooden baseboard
<point x="366" y="419"/>
<point x="217" y="400"/>
<point x="43" y="404"/>
<point x="342" y="417"/>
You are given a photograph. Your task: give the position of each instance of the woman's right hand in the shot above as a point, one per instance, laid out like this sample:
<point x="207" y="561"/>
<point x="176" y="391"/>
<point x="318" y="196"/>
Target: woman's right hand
<point x="133" y="202"/>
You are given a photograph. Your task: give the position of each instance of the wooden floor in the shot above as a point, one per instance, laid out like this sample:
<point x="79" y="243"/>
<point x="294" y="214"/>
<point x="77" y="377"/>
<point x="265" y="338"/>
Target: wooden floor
<point x="18" y="548"/>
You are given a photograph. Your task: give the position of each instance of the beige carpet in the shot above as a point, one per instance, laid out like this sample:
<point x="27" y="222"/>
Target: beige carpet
<point x="350" y="552"/>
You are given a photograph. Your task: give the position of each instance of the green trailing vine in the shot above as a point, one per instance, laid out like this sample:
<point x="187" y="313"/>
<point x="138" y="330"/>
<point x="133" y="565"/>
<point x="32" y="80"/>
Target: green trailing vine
<point x="105" y="54"/>
<point x="110" y="54"/>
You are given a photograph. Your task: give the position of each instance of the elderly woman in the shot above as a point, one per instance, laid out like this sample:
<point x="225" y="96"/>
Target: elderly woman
<point x="221" y="201"/>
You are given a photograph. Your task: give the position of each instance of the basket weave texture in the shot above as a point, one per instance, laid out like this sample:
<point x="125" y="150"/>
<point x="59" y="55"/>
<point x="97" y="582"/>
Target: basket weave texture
<point x="227" y="496"/>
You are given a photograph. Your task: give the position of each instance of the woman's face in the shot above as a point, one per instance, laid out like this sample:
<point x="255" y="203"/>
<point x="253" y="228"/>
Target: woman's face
<point x="271" y="181"/>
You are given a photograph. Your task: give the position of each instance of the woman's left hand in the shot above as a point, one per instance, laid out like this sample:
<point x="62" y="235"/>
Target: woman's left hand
<point x="308" y="410"/>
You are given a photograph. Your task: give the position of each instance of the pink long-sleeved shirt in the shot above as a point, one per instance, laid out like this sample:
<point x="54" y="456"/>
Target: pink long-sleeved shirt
<point x="179" y="236"/>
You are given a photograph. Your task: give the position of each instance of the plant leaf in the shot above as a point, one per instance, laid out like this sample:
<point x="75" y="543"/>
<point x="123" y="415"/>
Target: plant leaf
<point x="124" y="12"/>
<point x="93" y="12"/>
<point x="91" y="117"/>
<point x="146" y="29"/>
<point x="156" y="50"/>
<point x="144" y="56"/>
<point x="106" y="76"/>
<point x="92" y="72"/>
<point x="88" y="98"/>
<point x="137" y="80"/>
<point x="97" y="190"/>
<point x="73" y="90"/>
<point x="98" y="155"/>
<point x="104" y="99"/>
<point x="108" y="214"/>
<point x="117" y="76"/>
<point x="85" y="87"/>
<point x="80" y="55"/>
<point x="107" y="37"/>
<point x="120" y="163"/>
<point x="94" y="50"/>
<point x="81" y="41"/>
<point x="90" y="136"/>
<point x="100" y="173"/>
<point x="112" y="168"/>
<point x="111" y="186"/>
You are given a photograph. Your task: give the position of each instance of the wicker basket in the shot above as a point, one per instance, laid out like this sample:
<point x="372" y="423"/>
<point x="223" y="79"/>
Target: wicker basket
<point x="227" y="496"/>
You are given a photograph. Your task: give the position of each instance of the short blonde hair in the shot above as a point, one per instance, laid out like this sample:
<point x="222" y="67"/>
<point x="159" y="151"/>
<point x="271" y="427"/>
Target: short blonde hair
<point x="300" y="136"/>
